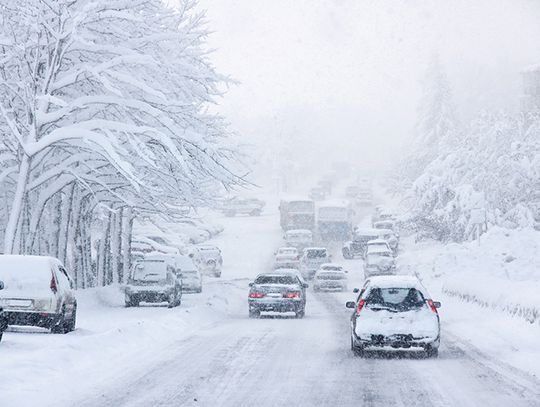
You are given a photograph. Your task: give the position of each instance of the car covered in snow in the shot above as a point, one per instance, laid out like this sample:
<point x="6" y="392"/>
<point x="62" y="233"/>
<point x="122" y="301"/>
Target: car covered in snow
<point x="38" y="291"/>
<point x="154" y="281"/>
<point x="330" y="277"/>
<point x="391" y="239"/>
<point x="387" y="224"/>
<point x="3" y="316"/>
<point x="358" y="245"/>
<point x="143" y="245"/>
<point x="185" y="268"/>
<point x="379" y="263"/>
<point x="277" y="292"/>
<point x="378" y="246"/>
<point x="312" y="258"/>
<point x="243" y="206"/>
<point x="394" y="313"/>
<point x="207" y="258"/>
<point x="287" y="256"/>
<point x="299" y="238"/>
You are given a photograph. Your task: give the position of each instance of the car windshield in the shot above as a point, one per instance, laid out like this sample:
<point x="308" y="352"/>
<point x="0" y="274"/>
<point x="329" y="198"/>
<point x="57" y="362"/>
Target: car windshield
<point x="397" y="299"/>
<point x="287" y="251"/>
<point x="151" y="271"/>
<point x="316" y="254"/>
<point x="331" y="276"/>
<point x="287" y="280"/>
<point x="333" y="268"/>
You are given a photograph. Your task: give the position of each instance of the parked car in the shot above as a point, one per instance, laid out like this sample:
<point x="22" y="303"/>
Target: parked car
<point x="3" y="316"/>
<point x="299" y="238"/>
<point x="190" y="274"/>
<point x="287" y="253"/>
<point x="243" y="206"/>
<point x="184" y="268"/>
<point x="277" y="292"/>
<point x="330" y="277"/>
<point x="394" y="313"/>
<point x="145" y="245"/>
<point x="379" y="263"/>
<point x="317" y="194"/>
<point x="155" y="281"/>
<point x="38" y="291"/>
<point x="312" y="258"/>
<point x="391" y="239"/>
<point x="208" y="259"/>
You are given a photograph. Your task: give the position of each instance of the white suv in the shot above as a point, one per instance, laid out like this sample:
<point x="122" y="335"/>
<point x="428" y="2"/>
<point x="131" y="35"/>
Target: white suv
<point x="38" y="291"/>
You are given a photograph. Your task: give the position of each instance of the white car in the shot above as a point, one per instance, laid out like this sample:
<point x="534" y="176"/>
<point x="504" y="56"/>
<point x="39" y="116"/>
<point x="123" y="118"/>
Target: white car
<point x="184" y="268"/>
<point x="379" y="263"/>
<point x="330" y="277"/>
<point x="38" y="291"/>
<point x="299" y="238"/>
<point x="394" y="313"/>
<point x="207" y="258"/>
<point x="312" y="258"/>
<point x="378" y="246"/>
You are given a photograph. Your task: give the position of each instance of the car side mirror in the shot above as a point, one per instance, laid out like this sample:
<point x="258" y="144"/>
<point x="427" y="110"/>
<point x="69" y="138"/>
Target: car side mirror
<point x="305" y="285"/>
<point x="250" y="284"/>
<point x="350" y="304"/>
<point x="1" y="285"/>
<point x="356" y="290"/>
<point x="437" y="304"/>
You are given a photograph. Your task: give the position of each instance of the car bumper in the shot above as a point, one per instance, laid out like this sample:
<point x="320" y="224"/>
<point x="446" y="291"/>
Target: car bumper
<point x="396" y="342"/>
<point x="25" y="318"/>
<point x="149" y="296"/>
<point x="276" y="306"/>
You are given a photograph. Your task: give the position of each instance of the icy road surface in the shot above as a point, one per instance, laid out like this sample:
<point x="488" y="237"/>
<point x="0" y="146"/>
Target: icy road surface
<point x="208" y="353"/>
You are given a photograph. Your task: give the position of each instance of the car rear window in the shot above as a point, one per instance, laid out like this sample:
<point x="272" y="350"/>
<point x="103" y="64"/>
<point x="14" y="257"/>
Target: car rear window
<point x="275" y="280"/>
<point x="153" y="271"/>
<point x="316" y="254"/>
<point x="399" y="299"/>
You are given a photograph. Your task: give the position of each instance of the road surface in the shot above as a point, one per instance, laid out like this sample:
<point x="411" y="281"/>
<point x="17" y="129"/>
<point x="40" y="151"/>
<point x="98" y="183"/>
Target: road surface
<point x="238" y="361"/>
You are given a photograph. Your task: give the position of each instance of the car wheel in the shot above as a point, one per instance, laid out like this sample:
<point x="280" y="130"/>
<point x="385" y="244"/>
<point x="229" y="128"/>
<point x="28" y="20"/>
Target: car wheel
<point x="254" y="313"/>
<point x="199" y="290"/>
<point x="357" y="350"/>
<point x="217" y="274"/>
<point x="70" y="324"/>
<point x="346" y="254"/>
<point x="300" y="314"/>
<point x="58" y="327"/>
<point x="172" y="301"/>
<point x="432" y="352"/>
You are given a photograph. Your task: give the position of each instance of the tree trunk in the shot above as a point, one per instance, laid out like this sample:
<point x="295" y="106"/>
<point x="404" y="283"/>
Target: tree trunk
<point x="16" y="206"/>
<point x="116" y="243"/>
<point x="127" y="230"/>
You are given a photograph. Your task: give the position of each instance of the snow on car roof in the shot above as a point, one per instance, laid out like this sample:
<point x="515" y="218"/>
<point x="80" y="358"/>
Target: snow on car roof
<point x="293" y="231"/>
<point x="22" y="262"/>
<point x="314" y="248"/>
<point x="395" y="281"/>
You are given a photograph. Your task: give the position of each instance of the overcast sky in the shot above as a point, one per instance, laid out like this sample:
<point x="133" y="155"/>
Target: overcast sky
<point x="347" y="73"/>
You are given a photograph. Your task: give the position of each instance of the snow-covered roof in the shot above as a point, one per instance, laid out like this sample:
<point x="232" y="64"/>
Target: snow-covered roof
<point x="396" y="281"/>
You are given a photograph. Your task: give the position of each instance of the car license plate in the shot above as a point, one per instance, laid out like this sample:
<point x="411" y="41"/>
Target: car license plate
<point x="19" y="303"/>
<point x="274" y="295"/>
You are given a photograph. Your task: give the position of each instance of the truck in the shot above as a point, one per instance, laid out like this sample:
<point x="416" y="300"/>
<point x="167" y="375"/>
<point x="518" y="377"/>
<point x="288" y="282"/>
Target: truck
<point x="334" y="221"/>
<point x="297" y="214"/>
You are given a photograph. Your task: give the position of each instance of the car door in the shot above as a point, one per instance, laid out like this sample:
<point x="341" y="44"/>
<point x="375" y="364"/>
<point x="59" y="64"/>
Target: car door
<point x="65" y="288"/>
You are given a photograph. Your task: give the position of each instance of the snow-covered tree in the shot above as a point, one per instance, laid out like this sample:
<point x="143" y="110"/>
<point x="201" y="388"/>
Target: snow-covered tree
<point x="103" y="104"/>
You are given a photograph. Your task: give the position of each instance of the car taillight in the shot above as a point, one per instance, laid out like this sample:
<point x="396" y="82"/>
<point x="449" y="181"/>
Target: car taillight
<point x="293" y="294"/>
<point x="256" y="295"/>
<point x="360" y="305"/>
<point x="432" y="306"/>
<point x="53" y="286"/>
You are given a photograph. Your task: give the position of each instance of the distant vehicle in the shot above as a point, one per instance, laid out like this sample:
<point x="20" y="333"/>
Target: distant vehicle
<point x="358" y="245"/>
<point x="317" y="194"/>
<point x="330" y="277"/>
<point x="379" y="263"/>
<point x="391" y="239"/>
<point x="326" y="185"/>
<point x="298" y="238"/>
<point x="243" y="206"/>
<point x="3" y="316"/>
<point x="208" y="259"/>
<point x="153" y="281"/>
<point x="334" y="221"/>
<point x="382" y="214"/>
<point x="364" y="198"/>
<point x="394" y="313"/>
<point x="185" y="268"/>
<point x="378" y="246"/>
<point x="352" y="191"/>
<point x="38" y="291"/>
<point x="311" y="260"/>
<point x="277" y="292"/>
<point x="145" y="245"/>
<point x="287" y="257"/>
<point x="297" y="214"/>
<point x="388" y="225"/>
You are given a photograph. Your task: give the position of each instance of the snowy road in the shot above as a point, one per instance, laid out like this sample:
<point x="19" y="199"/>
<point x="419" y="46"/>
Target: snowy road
<point x="273" y="361"/>
<point x="209" y="353"/>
